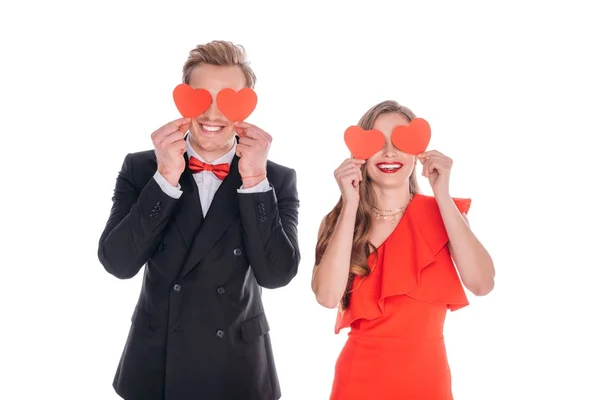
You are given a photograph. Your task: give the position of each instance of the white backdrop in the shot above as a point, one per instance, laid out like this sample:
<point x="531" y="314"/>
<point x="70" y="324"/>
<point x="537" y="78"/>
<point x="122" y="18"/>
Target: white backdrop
<point x="511" y="92"/>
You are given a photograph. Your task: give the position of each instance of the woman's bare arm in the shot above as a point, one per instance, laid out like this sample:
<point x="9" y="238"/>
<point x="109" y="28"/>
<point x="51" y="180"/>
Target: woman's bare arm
<point x="473" y="262"/>
<point x="330" y="276"/>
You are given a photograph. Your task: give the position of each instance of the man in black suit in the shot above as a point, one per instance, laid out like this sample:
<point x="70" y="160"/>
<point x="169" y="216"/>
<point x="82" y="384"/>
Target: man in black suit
<point x="212" y="221"/>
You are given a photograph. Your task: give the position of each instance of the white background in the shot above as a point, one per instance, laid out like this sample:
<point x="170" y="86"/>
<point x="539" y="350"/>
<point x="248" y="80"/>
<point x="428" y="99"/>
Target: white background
<point x="510" y="89"/>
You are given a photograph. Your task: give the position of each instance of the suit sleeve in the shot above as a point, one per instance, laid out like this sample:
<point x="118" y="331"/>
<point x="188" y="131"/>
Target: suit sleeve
<point x="135" y="225"/>
<point x="270" y="231"/>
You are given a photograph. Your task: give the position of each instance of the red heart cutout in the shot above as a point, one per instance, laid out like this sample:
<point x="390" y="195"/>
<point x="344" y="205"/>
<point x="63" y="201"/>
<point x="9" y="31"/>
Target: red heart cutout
<point x="363" y="143"/>
<point x="236" y="106"/>
<point x="412" y="138"/>
<point x="191" y="102"/>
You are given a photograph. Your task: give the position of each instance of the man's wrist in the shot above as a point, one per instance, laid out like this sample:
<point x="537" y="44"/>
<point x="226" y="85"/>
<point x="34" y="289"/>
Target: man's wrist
<point x="249" y="181"/>
<point x="171" y="178"/>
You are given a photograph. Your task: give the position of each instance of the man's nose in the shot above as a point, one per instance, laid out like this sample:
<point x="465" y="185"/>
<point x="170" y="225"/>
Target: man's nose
<point x="213" y="112"/>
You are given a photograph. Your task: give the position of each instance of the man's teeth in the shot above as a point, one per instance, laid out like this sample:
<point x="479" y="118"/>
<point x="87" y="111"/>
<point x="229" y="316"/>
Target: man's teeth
<point x="211" y="128"/>
<point x="389" y="166"/>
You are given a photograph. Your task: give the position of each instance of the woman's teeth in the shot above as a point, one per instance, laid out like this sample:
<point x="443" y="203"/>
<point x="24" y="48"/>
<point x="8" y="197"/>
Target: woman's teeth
<point x="389" y="167"/>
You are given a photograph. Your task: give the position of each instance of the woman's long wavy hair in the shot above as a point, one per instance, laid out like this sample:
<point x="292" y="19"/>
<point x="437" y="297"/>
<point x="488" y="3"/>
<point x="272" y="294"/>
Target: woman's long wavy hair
<point x="361" y="246"/>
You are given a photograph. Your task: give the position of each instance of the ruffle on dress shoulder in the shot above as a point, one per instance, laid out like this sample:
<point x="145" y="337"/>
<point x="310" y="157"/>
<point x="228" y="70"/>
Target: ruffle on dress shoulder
<point x="413" y="261"/>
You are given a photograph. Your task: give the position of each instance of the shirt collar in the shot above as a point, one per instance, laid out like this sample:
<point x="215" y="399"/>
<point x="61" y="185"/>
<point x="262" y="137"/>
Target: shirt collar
<point x="225" y="158"/>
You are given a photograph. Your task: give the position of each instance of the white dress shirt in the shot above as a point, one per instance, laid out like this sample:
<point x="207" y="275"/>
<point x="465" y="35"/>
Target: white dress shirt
<point x="207" y="182"/>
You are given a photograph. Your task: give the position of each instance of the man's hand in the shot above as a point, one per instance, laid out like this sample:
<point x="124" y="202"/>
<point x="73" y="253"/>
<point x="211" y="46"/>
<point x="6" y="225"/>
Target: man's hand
<point x="169" y="147"/>
<point x="253" y="150"/>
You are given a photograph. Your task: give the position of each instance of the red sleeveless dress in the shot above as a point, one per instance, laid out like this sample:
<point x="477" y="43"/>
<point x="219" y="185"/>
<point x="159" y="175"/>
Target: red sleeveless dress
<point x="395" y="348"/>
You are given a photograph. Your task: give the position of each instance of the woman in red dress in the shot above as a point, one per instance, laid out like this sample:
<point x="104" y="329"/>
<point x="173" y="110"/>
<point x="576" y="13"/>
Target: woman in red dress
<point x="392" y="261"/>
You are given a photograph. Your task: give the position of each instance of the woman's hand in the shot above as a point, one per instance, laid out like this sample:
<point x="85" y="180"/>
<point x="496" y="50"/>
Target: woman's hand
<point x="348" y="175"/>
<point x="436" y="168"/>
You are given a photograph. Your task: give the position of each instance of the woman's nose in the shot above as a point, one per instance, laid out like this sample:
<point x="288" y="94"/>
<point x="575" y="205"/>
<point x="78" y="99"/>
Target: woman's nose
<point x="389" y="150"/>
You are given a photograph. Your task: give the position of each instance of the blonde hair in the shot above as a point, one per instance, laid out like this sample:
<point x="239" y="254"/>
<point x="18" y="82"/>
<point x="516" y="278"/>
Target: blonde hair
<point x="361" y="246"/>
<point x="221" y="53"/>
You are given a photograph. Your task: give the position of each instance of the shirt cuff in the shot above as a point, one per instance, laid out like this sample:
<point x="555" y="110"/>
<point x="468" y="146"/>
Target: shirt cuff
<point x="174" y="192"/>
<point x="262" y="187"/>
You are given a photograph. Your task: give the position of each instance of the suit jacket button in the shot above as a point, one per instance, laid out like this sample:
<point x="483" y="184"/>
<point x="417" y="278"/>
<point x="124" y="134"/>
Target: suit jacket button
<point x="237" y="252"/>
<point x="177" y="287"/>
<point x="220" y="334"/>
<point x="162" y="247"/>
<point x="221" y="290"/>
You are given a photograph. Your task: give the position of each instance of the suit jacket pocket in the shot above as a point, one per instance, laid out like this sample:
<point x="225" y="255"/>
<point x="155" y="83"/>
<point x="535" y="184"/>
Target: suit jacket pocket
<point x="141" y="319"/>
<point x="254" y="327"/>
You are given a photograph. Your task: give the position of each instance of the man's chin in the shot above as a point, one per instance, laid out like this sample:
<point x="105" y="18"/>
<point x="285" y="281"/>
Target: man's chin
<point x="214" y="143"/>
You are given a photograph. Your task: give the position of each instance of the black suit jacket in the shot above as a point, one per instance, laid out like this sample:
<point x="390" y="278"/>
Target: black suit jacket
<point x="199" y="330"/>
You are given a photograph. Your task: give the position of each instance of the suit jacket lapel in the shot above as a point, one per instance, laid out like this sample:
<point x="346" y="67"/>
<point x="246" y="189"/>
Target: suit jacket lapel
<point x="223" y="211"/>
<point x="189" y="215"/>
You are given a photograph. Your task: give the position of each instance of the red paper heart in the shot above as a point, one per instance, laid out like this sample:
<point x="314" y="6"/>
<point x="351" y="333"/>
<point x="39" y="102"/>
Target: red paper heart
<point x="363" y="143"/>
<point x="191" y="102"/>
<point x="236" y="106"/>
<point x="412" y="138"/>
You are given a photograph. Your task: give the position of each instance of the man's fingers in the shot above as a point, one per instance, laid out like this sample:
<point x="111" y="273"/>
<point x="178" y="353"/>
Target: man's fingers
<point x="251" y="131"/>
<point x="242" y="125"/>
<point x="170" y="138"/>
<point x="241" y="148"/>
<point x="184" y="128"/>
<point x="254" y="132"/>
<point x="181" y="125"/>
<point x="246" y="141"/>
<point x="179" y="122"/>
<point x="241" y="132"/>
<point x="180" y="144"/>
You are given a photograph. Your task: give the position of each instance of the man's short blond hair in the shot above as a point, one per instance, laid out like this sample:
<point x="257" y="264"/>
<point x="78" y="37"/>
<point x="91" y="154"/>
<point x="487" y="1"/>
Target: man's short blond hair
<point x="221" y="53"/>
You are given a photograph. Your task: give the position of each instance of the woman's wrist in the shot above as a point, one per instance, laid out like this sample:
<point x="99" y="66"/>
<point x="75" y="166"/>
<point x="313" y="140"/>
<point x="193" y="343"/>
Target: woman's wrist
<point x="349" y="210"/>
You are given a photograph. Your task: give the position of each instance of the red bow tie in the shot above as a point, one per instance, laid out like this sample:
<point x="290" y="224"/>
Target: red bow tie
<point x="220" y="170"/>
